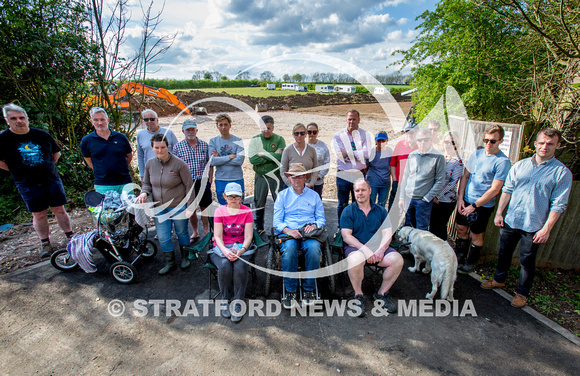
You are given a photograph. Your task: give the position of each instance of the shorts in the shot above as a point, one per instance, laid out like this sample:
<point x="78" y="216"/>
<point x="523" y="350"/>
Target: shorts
<point x="205" y="200"/>
<point x="477" y="221"/>
<point x="348" y="250"/>
<point x="38" y="199"/>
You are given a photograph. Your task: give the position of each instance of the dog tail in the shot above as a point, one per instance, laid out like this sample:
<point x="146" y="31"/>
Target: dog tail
<point x="447" y="283"/>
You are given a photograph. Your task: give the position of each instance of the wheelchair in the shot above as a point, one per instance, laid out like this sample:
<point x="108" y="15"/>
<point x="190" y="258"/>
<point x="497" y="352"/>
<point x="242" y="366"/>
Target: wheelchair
<point x="274" y="262"/>
<point x="337" y="248"/>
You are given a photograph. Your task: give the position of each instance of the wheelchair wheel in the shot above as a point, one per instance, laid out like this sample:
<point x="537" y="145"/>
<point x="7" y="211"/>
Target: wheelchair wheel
<point x="328" y="262"/>
<point x="148" y="250"/>
<point x="123" y="272"/>
<point x="270" y="264"/>
<point x="63" y="261"/>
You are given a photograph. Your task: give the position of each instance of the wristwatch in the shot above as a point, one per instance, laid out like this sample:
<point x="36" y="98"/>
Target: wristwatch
<point x="474" y="206"/>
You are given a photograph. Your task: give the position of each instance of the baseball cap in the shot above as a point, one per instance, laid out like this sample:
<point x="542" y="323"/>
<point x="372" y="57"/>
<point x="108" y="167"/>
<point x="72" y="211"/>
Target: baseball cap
<point x="188" y="124"/>
<point x="381" y="136"/>
<point x="233" y="189"/>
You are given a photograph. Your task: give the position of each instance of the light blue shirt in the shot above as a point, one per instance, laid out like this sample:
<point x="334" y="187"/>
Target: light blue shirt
<point x="536" y="190"/>
<point x="295" y="210"/>
<point x="484" y="169"/>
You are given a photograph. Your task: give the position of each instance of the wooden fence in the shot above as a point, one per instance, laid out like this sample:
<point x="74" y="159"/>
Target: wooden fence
<point x="562" y="249"/>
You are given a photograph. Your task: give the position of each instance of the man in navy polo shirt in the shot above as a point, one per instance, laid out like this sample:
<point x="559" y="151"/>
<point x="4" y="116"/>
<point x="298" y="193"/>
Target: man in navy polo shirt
<point x="359" y="223"/>
<point x="108" y="153"/>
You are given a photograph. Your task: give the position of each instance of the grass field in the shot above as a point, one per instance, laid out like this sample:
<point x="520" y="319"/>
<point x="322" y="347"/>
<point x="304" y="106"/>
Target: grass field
<point x="261" y="92"/>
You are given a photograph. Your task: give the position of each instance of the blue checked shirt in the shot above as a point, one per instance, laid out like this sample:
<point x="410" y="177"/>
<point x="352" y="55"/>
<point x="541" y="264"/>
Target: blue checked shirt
<point x="536" y="190"/>
<point x="196" y="158"/>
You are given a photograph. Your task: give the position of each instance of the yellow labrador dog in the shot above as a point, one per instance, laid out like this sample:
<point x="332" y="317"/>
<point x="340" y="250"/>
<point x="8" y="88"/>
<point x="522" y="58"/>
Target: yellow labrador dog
<point x="439" y="257"/>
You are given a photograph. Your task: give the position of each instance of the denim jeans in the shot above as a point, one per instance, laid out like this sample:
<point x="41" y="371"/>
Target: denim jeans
<point x="220" y="187"/>
<point x="232" y="276"/>
<point x="381" y="193"/>
<point x="164" y="229"/>
<point x="418" y="214"/>
<point x="394" y="189"/>
<point x="508" y="240"/>
<point x="344" y="188"/>
<point x="290" y="249"/>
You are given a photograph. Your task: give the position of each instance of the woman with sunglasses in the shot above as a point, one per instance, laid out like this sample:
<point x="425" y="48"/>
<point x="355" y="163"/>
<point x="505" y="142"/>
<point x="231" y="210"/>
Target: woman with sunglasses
<point x="322" y="155"/>
<point x="445" y="202"/>
<point x="233" y="231"/>
<point x="300" y="152"/>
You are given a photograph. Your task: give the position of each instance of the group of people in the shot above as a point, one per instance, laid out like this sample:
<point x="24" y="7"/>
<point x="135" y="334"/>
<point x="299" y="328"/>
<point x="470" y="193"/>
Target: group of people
<point x="427" y="171"/>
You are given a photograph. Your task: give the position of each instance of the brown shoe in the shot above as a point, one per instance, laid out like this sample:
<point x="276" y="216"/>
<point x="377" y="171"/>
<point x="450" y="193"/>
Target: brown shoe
<point x="492" y="284"/>
<point x="519" y="301"/>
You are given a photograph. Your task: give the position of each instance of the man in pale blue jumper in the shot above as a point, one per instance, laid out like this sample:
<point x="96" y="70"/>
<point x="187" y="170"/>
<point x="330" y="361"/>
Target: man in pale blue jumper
<point x="227" y="155"/>
<point x="537" y="191"/>
<point x="144" y="150"/>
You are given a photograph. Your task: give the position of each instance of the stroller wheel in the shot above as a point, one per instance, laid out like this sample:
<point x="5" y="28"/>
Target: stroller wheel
<point x="63" y="261"/>
<point x="123" y="272"/>
<point x="148" y="249"/>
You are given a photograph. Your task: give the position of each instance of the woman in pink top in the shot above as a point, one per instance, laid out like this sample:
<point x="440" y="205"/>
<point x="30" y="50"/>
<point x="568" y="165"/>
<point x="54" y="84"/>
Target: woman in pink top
<point x="233" y="231"/>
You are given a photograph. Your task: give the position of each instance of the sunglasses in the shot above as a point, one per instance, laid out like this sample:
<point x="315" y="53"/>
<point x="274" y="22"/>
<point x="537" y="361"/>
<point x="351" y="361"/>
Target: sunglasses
<point x="299" y="133"/>
<point x="149" y="119"/>
<point x="312" y="132"/>
<point x="353" y="146"/>
<point x="234" y="197"/>
<point x="486" y="140"/>
<point x="423" y="139"/>
<point x="449" y="142"/>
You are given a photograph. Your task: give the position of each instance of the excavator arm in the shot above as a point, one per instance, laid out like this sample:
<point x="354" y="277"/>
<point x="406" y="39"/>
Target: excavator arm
<point x="135" y="88"/>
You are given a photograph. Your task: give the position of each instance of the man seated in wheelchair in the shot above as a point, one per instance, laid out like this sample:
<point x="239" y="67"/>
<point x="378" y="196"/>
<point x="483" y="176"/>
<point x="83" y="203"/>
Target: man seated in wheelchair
<point x="298" y="212"/>
<point x="233" y="231"/>
<point x="359" y="223"/>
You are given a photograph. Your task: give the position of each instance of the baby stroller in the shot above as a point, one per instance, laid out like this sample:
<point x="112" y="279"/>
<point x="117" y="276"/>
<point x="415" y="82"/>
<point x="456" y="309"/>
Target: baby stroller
<point x="118" y="237"/>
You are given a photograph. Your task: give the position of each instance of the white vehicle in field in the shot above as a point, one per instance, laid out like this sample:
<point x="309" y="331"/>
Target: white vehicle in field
<point x="301" y="88"/>
<point x="344" y="89"/>
<point x="382" y="90"/>
<point x="324" y="88"/>
<point x="286" y="86"/>
<point x="270" y="86"/>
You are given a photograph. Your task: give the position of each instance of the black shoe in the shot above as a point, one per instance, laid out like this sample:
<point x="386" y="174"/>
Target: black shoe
<point x="466" y="268"/>
<point x="225" y="312"/>
<point x="387" y="304"/>
<point x="308" y="298"/>
<point x="237" y="313"/>
<point x="359" y="301"/>
<point x="290" y="300"/>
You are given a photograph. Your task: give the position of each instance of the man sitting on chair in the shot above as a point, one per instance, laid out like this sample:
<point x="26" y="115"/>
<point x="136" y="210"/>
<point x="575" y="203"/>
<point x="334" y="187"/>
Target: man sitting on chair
<point x="298" y="208"/>
<point x="359" y="222"/>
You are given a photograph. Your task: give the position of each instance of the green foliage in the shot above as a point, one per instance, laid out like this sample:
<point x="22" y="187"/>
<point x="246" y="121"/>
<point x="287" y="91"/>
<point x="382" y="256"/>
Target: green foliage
<point x="45" y="62"/>
<point x="173" y="84"/>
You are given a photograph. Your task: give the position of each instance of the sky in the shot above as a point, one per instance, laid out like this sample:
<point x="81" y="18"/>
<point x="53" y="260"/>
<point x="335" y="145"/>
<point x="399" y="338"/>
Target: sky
<point x="290" y="36"/>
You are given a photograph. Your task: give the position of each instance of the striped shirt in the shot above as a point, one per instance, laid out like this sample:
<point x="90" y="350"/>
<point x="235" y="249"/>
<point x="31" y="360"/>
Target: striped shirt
<point x="453" y="172"/>
<point x="196" y="157"/>
<point x="536" y="190"/>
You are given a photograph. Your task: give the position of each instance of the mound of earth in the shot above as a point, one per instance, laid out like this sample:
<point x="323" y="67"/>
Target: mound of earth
<point x="272" y="103"/>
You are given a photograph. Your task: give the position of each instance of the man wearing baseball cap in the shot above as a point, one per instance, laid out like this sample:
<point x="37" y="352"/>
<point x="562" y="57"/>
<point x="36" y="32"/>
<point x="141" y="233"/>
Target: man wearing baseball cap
<point x="195" y="153"/>
<point x="298" y="210"/>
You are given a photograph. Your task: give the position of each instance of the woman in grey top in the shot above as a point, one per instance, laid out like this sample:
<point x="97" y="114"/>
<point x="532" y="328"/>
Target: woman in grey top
<point x="300" y="152"/>
<point x="322" y="154"/>
<point x="168" y="181"/>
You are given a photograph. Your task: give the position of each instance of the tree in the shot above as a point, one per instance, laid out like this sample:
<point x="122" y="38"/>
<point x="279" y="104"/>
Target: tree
<point x="207" y="76"/>
<point x="297" y="77"/>
<point x="46" y="62"/>
<point x="267" y="76"/>
<point x="245" y="75"/>
<point x="286" y="77"/>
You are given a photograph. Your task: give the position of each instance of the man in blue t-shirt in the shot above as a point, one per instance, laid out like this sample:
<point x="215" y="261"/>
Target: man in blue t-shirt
<point x="482" y="180"/>
<point x="359" y="223"/>
<point x="108" y="153"/>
